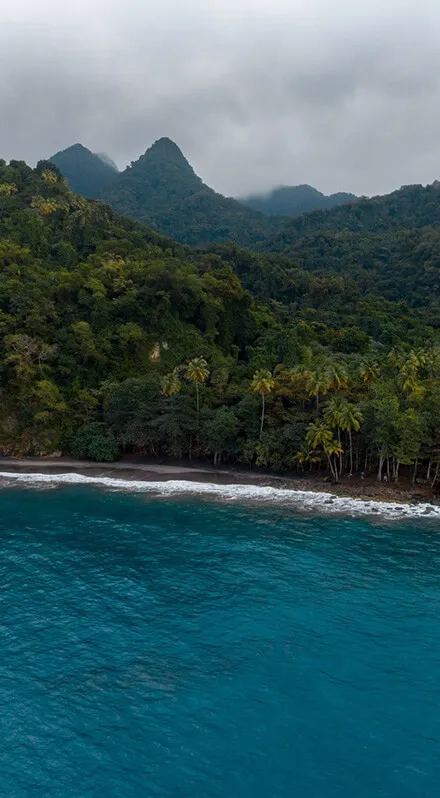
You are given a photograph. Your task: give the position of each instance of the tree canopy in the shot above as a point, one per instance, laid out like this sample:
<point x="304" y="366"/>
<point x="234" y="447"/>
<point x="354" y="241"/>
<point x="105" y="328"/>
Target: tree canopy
<point x="115" y="339"/>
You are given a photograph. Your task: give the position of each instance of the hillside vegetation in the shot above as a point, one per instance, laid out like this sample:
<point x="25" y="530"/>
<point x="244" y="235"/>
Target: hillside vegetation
<point x="162" y="190"/>
<point x="116" y="339"/>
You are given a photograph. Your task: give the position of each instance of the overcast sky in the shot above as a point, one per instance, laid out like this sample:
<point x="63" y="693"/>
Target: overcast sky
<point x="341" y="94"/>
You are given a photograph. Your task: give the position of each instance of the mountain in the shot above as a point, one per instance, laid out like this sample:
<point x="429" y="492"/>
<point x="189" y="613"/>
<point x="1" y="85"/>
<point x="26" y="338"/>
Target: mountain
<point x="107" y="160"/>
<point x="116" y="339"/>
<point x="388" y="246"/>
<point x="162" y="190"/>
<point x="294" y="200"/>
<point x="413" y="206"/>
<point x="86" y="173"/>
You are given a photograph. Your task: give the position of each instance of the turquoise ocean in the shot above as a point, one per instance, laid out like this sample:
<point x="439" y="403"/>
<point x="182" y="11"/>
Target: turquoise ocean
<point x="196" y="646"/>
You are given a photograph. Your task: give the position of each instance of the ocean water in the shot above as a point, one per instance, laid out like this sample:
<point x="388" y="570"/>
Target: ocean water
<point x="188" y="647"/>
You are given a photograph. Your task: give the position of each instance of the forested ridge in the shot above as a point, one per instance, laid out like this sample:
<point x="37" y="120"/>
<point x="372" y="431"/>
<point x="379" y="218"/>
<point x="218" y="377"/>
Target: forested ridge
<point x="162" y="190"/>
<point x="295" y="200"/>
<point x="115" y="339"/>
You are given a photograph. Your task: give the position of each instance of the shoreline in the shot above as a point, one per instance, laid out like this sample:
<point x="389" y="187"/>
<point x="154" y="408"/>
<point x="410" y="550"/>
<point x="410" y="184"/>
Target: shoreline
<point x="151" y="470"/>
<point x="356" y="498"/>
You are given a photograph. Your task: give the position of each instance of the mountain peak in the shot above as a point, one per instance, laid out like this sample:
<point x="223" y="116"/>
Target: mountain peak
<point x="74" y="149"/>
<point x="85" y="172"/>
<point x="162" y="167"/>
<point x="164" y="150"/>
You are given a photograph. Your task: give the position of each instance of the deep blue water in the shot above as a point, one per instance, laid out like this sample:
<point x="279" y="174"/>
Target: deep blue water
<point x="197" y="650"/>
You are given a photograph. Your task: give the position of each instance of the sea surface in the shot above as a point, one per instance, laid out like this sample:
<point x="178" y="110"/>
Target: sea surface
<point x="194" y="648"/>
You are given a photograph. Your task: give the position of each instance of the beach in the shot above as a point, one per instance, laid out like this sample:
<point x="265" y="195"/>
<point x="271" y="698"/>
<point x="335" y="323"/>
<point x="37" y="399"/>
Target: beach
<point x="354" y="496"/>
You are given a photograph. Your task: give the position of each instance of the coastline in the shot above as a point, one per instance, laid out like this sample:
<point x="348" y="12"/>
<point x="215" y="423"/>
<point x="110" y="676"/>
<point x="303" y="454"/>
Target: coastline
<point x="359" y="497"/>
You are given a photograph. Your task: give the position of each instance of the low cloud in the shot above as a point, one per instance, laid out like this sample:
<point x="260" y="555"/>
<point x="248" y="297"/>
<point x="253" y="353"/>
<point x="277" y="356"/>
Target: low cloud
<point x="255" y="93"/>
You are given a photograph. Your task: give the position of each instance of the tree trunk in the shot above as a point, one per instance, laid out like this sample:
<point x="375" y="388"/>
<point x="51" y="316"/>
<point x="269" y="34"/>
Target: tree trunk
<point x="379" y="473"/>
<point x="197" y="402"/>
<point x="396" y="472"/>
<point x="334" y="472"/>
<point x="414" y="476"/>
<point x="351" y="451"/>
<point x="263" y="408"/>
<point x="340" y="453"/>
<point x="436" y="473"/>
<point x="428" y="473"/>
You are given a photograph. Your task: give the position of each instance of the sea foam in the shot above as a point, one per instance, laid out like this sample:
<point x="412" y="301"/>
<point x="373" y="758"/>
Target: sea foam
<point x="296" y="499"/>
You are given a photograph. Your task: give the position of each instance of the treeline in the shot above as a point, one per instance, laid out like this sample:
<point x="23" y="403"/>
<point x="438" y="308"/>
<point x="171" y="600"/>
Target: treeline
<point x="344" y="415"/>
<point x="115" y="339"/>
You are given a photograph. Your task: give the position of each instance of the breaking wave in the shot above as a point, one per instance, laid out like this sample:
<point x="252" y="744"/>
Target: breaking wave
<point x="311" y="501"/>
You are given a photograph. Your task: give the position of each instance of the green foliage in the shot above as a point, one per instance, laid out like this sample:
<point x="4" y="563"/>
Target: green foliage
<point x="93" y="442"/>
<point x="162" y="190"/>
<point x="115" y="339"/>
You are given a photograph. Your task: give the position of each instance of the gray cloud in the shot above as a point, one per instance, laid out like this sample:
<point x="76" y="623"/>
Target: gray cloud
<point x="342" y="95"/>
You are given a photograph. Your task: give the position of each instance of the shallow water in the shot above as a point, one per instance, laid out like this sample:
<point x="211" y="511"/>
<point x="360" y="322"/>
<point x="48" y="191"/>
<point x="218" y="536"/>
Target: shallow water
<point x="189" y="648"/>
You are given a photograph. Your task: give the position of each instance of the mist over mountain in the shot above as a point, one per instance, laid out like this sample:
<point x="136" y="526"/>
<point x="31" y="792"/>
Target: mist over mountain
<point x="162" y="190"/>
<point x="86" y="173"/>
<point x="107" y="160"/>
<point x="294" y="200"/>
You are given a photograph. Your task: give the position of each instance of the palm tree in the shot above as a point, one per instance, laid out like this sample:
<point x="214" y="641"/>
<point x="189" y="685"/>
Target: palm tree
<point x="262" y="383"/>
<point x="334" y="449"/>
<point x="369" y="372"/>
<point x="351" y="419"/>
<point x="307" y="456"/>
<point x="170" y="383"/>
<point x="319" y="434"/>
<point x="338" y="377"/>
<point x="334" y="416"/>
<point x="410" y="365"/>
<point x="319" y="383"/>
<point x="346" y="416"/>
<point x="198" y="372"/>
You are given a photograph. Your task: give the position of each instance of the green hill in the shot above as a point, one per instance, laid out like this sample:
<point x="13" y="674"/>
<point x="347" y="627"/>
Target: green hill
<point x="294" y="200"/>
<point x="115" y="339"/>
<point x="409" y="207"/>
<point x="389" y="245"/>
<point x="162" y="190"/>
<point x="86" y="173"/>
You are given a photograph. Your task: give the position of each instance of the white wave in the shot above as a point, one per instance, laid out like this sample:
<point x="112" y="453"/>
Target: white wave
<point x="299" y="499"/>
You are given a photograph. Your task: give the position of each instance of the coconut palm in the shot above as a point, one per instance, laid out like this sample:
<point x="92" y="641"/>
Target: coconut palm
<point x="262" y="383"/>
<point x="351" y="420"/>
<point x="338" y="377"/>
<point x="198" y="372"/>
<point x="319" y="383"/>
<point x="335" y="450"/>
<point x="318" y="435"/>
<point x="334" y="415"/>
<point x="307" y="456"/>
<point x="170" y="383"/>
<point x="409" y="366"/>
<point x="369" y="372"/>
<point x="345" y="416"/>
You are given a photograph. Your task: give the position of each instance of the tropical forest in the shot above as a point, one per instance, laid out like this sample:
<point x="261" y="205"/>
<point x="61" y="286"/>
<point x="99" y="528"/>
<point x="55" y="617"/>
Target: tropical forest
<point x="210" y="331"/>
